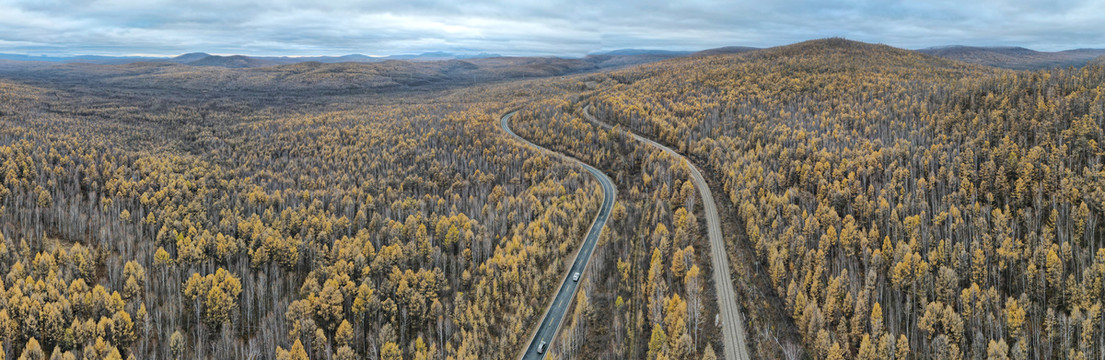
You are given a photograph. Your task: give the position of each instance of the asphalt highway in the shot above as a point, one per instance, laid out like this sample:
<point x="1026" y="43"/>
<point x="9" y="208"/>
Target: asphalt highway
<point x="554" y="315"/>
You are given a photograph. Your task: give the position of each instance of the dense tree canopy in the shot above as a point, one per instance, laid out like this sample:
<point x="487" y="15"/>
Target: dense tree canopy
<point x="900" y="203"/>
<point x="648" y="266"/>
<point x="241" y="226"/>
<point x="879" y="204"/>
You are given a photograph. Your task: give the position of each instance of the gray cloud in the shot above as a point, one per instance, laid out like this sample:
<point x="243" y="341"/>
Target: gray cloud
<point x="528" y="27"/>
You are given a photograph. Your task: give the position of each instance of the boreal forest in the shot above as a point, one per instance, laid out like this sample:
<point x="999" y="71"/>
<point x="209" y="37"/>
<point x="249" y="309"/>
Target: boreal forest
<point x="861" y="202"/>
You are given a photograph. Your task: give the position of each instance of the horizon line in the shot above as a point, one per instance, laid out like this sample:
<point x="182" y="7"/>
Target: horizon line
<point x="492" y="53"/>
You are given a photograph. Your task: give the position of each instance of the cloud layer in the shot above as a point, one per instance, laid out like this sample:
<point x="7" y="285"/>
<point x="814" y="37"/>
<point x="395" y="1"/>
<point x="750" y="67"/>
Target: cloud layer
<point x="528" y="27"/>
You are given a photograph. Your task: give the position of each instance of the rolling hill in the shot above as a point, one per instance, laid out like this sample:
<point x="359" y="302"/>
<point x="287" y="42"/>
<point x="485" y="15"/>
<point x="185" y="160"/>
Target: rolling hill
<point x="1017" y="58"/>
<point x="235" y="61"/>
<point x="724" y="50"/>
<point x="204" y="72"/>
<point x="885" y="193"/>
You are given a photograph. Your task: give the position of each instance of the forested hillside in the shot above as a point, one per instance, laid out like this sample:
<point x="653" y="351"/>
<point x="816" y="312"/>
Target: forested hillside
<point x="243" y="227"/>
<point x="904" y="206"/>
<point x="1016" y="57"/>
<point x="878" y="203"/>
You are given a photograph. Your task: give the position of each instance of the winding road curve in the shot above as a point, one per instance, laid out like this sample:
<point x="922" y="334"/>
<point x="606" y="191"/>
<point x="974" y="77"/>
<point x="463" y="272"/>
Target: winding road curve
<point x="732" y="328"/>
<point x="554" y="314"/>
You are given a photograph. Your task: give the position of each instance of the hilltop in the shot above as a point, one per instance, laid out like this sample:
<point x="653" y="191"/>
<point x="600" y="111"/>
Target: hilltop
<point x="235" y="61"/>
<point x="850" y="53"/>
<point x="832" y="55"/>
<point x="189" y="57"/>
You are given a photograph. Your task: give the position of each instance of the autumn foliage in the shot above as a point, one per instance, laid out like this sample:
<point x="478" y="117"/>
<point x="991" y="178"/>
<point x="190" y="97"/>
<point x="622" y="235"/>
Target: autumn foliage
<point x="878" y="204"/>
<point x="900" y="203"/>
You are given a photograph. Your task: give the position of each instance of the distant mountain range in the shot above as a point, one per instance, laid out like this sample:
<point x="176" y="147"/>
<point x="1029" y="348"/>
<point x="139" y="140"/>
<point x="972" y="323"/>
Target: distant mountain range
<point x="1017" y="58"/>
<point x="205" y="59"/>
<point x="239" y="61"/>
<point x="94" y="59"/>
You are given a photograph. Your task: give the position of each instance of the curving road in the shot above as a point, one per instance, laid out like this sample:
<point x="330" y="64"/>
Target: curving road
<point x="554" y="315"/>
<point x="732" y="328"/>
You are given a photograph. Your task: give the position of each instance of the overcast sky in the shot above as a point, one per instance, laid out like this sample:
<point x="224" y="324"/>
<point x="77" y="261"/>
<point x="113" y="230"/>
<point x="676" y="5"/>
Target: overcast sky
<point x="528" y="27"/>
